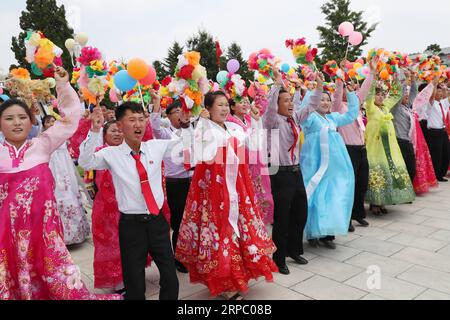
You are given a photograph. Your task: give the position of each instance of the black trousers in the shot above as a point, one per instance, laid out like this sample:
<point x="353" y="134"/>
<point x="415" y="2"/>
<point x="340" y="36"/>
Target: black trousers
<point x="358" y="155"/>
<point x="290" y="214"/>
<point x="424" y="126"/>
<point x="139" y="236"/>
<point x="439" y="145"/>
<point x="177" y="193"/>
<point x="409" y="156"/>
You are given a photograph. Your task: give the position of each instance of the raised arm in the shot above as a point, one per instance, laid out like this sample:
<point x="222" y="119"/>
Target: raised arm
<point x="314" y="104"/>
<point x="423" y="98"/>
<point x="336" y="104"/>
<point x="89" y="159"/>
<point x="353" y="111"/>
<point x="68" y="100"/>
<point x="363" y="92"/>
<point x="395" y="97"/>
<point x="270" y="117"/>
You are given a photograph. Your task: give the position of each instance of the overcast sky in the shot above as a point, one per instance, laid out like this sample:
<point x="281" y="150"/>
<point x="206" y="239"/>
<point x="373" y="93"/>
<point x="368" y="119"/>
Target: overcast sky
<point x="146" y="29"/>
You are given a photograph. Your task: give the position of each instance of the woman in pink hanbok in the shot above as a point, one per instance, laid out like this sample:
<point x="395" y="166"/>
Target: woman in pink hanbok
<point x="34" y="261"/>
<point x="425" y="175"/>
<point x="259" y="172"/>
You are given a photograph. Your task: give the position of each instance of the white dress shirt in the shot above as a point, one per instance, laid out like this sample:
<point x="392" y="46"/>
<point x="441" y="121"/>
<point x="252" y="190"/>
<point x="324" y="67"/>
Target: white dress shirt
<point x="434" y="113"/>
<point x="119" y="161"/>
<point x="174" y="166"/>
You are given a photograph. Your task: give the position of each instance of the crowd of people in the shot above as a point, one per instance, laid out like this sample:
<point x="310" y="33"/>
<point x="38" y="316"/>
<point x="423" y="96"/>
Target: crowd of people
<point x="226" y="196"/>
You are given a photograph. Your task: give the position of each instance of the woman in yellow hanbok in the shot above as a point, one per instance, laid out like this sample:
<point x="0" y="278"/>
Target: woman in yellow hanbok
<point x="389" y="182"/>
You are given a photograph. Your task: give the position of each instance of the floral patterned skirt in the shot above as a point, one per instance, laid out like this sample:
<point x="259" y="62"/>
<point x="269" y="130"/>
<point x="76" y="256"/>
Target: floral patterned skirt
<point x="207" y="244"/>
<point x="425" y="176"/>
<point x="34" y="261"/>
<point x="389" y="182"/>
<point x="259" y="174"/>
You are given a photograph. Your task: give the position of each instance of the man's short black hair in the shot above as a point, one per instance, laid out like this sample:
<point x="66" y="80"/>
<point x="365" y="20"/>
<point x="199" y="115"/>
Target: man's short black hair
<point x="177" y="104"/>
<point x="132" y="106"/>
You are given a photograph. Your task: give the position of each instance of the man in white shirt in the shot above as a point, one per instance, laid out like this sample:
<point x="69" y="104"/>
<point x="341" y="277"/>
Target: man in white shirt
<point x="136" y="170"/>
<point x="438" y="142"/>
<point x="178" y="179"/>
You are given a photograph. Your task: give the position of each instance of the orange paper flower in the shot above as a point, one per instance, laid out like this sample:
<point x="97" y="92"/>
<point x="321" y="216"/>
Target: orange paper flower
<point x="43" y="58"/>
<point x="193" y="57"/>
<point x="20" y="73"/>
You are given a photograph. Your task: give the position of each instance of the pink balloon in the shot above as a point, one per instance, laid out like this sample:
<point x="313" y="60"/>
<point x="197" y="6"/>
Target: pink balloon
<point x="150" y="78"/>
<point x="113" y="96"/>
<point x="1" y="91"/>
<point x="346" y="28"/>
<point x="216" y="87"/>
<point x="252" y="91"/>
<point x="355" y="38"/>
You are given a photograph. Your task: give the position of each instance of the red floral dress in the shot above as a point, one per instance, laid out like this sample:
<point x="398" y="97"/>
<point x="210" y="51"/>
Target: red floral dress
<point x="425" y="176"/>
<point x="208" y="244"/>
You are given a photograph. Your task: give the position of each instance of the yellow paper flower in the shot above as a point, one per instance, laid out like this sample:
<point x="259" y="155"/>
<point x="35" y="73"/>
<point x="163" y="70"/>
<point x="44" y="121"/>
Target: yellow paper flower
<point x="97" y="65"/>
<point x="46" y="44"/>
<point x="193" y="57"/>
<point x="75" y="77"/>
<point x="34" y="39"/>
<point x="20" y="73"/>
<point x="164" y="91"/>
<point x="300" y="51"/>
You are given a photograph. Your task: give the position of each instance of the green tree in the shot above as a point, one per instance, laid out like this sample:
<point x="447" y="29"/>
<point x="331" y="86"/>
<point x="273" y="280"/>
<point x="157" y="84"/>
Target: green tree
<point x="45" y="16"/>
<point x="434" y="49"/>
<point x="204" y="43"/>
<point x="170" y="63"/>
<point x="235" y="52"/>
<point x="161" y="72"/>
<point x="333" y="45"/>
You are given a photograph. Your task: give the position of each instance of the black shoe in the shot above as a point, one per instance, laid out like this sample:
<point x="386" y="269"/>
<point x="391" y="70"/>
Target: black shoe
<point x="299" y="259"/>
<point x="351" y="228"/>
<point x="328" y="244"/>
<point x="442" y="180"/>
<point x="362" y="222"/>
<point x="180" y="267"/>
<point x="314" y="243"/>
<point x="122" y="292"/>
<point x="284" y="270"/>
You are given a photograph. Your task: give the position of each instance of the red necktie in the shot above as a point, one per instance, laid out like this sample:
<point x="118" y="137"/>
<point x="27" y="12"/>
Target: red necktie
<point x="443" y="114"/>
<point x="295" y="133"/>
<point x="145" y="186"/>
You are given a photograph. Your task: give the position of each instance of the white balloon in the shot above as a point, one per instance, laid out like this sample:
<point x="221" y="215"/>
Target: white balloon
<point x="70" y="44"/>
<point x="82" y="39"/>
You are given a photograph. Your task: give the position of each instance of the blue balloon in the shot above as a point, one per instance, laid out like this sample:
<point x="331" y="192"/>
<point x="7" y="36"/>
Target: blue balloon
<point x="123" y="81"/>
<point x="285" y="68"/>
<point x="4" y="98"/>
<point x="221" y="76"/>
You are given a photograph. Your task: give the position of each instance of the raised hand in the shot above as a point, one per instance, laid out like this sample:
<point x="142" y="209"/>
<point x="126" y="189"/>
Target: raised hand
<point x="320" y="79"/>
<point x="255" y="113"/>
<point x="97" y="119"/>
<point x="61" y="75"/>
<point x="374" y="64"/>
<point x="205" y="114"/>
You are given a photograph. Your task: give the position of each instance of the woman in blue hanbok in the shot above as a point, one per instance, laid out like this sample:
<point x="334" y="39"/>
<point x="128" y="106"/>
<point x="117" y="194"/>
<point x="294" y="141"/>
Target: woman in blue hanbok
<point x="328" y="172"/>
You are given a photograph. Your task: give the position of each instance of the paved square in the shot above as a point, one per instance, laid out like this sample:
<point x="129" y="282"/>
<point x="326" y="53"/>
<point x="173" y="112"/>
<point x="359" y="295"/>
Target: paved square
<point x="410" y="247"/>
